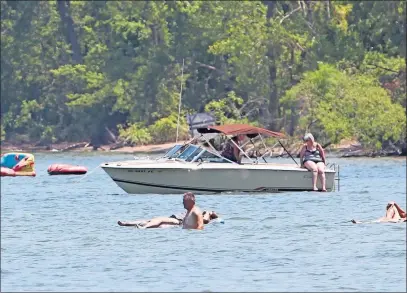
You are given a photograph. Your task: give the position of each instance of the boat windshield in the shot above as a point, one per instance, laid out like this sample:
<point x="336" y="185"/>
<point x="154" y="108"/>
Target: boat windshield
<point x="174" y="152"/>
<point x="189" y="153"/>
<point x="212" y="158"/>
<point x="195" y="153"/>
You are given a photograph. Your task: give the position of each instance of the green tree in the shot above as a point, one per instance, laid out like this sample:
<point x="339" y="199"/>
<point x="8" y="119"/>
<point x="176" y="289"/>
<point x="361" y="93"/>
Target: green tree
<point x="80" y="70"/>
<point x="337" y="106"/>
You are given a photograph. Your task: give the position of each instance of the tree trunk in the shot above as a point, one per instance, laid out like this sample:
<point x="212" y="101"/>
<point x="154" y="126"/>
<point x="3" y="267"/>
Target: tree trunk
<point x="292" y="61"/>
<point x="272" y="67"/>
<point x="308" y="4"/>
<point x="68" y="26"/>
<point x="328" y="9"/>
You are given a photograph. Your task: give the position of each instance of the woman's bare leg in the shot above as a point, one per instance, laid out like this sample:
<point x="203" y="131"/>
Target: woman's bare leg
<point x="401" y="212"/>
<point x="157" y="222"/>
<point x="391" y="212"/>
<point x="131" y="223"/>
<point x="321" y="173"/>
<point x="380" y="220"/>
<point x="311" y="166"/>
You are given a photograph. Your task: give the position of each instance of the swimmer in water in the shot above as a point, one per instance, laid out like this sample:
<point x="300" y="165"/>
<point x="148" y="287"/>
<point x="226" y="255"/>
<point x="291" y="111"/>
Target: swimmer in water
<point x="193" y="219"/>
<point x="171" y="221"/>
<point x="394" y="214"/>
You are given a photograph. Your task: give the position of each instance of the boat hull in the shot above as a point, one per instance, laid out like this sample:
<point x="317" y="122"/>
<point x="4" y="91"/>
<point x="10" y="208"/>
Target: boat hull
<point x="178" y="177"/>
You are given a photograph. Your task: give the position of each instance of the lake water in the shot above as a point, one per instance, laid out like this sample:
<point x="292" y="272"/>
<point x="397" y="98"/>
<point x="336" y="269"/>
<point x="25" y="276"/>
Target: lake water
<point x="60" y="233"/>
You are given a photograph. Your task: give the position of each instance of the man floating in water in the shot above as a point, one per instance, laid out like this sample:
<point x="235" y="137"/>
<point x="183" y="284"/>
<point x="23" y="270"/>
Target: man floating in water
<point x="192" y="219"/>
<point x="394" y="214"/>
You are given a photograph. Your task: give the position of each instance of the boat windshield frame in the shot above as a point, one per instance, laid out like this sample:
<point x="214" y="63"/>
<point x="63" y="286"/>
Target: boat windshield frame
<point x="190" y="150"/>
<point x="170" y="153"/>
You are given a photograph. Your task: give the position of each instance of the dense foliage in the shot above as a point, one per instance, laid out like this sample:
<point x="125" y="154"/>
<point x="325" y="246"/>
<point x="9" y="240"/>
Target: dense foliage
<point x="93" y="70"/>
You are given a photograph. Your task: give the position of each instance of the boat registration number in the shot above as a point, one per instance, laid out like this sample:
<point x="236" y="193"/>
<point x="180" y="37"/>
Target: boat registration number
<point x="267" y="189"/>
<point x="140" y="171"/>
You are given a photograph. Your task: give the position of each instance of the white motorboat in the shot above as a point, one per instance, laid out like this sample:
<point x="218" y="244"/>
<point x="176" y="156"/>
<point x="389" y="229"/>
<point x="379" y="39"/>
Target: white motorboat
<point x="200" y="168"/>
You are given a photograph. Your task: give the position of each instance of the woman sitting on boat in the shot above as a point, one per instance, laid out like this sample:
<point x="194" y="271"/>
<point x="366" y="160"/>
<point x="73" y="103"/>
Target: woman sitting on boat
<point x="231" y="151"/>
<point x="312" y="157"/>
<point x="163" y="222"/>
<point x="394" y="214"/>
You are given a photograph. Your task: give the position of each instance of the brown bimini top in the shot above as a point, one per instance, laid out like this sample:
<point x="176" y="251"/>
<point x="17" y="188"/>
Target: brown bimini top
<point x="236" y="129"/>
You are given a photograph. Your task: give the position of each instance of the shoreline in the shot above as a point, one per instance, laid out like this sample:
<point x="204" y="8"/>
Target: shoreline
<point x="86" y="147"/>
<point x="346" y="148"/>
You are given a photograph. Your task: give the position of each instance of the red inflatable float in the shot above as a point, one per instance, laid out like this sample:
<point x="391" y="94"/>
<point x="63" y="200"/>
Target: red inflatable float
<point x="7" y="172"/>
<point x="11" y="173"/>
<point x="64" y="169"/>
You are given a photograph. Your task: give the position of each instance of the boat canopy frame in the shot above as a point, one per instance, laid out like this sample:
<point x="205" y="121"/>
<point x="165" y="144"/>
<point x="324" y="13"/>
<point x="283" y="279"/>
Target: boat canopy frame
<point x="231" y="130"/>
<point x="250" y="131"/>
<point x="239" y="129"/>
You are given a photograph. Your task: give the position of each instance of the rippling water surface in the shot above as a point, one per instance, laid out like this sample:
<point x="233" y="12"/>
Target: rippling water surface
<point x="60" y="233"/>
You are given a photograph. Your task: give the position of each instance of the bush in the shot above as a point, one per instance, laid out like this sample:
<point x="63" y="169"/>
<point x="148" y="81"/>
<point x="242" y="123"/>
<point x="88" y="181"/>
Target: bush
<point x="136" y="133"/>
<point x="335" y="105"/>
<point x="165" y="129"/>
<point x="48" y="136"/>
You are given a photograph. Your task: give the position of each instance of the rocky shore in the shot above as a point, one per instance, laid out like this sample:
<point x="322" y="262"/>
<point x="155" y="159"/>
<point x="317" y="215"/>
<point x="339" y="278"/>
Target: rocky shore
<point x="86" y="147"/>
<point x="346" y="148"/>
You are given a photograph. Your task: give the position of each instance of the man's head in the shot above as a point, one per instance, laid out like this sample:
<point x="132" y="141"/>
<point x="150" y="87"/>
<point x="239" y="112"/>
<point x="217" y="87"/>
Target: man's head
<point x="188" y="200"/>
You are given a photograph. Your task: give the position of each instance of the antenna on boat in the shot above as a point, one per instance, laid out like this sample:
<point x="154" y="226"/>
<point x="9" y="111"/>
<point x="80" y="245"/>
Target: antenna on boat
<point x="180" y="95"/>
